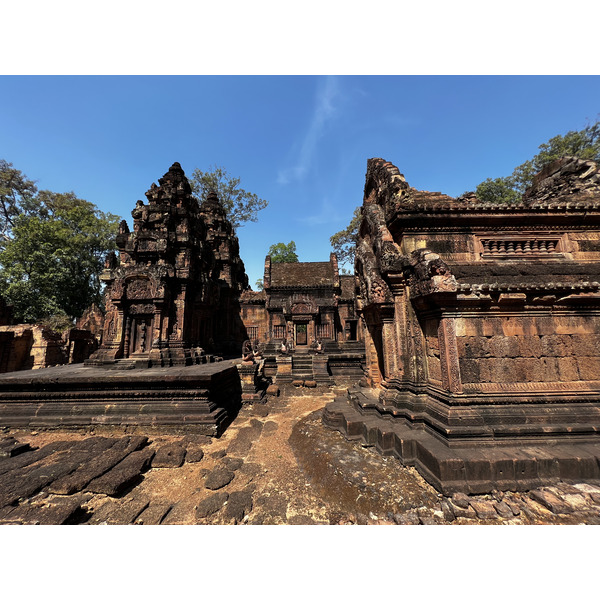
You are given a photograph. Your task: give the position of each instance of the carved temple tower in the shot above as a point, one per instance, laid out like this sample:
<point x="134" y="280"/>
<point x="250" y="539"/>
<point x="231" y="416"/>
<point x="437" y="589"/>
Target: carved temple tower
<point x="172" y="293"/>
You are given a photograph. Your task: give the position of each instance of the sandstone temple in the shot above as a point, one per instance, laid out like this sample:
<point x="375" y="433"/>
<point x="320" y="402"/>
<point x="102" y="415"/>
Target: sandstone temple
<point x="482" y="331"/>
<point x="467" y="342"/>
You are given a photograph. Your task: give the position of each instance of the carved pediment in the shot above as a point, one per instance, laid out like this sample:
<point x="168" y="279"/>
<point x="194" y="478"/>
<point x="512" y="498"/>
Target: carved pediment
<point x="138" y="289"/>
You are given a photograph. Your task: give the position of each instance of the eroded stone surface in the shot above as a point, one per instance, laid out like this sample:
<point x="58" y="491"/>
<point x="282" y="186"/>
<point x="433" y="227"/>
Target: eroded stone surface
<point x="218" y="478"/>
<point x="169" y="456"/>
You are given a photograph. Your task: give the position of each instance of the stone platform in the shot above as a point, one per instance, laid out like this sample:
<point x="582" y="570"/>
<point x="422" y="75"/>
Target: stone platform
<point x="474" y="468"/>
<point x="198" y="398"/>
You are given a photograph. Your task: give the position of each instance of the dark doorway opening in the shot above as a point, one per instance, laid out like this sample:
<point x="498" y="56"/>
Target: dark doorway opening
<point x="301" y="334"/>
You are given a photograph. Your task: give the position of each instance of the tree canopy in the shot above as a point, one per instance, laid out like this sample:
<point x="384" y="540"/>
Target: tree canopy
<point x="283" y="253"/>
<point x="54" y="248"/>
<point x="582" y="144"/>
<point x="241" y="206"/>
<point x="344" y="242"/>
<point x="16" y="197"/>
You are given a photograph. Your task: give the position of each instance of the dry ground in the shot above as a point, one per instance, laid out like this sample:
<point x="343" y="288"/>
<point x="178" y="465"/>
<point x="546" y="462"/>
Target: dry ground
<point x="277" y="464"/>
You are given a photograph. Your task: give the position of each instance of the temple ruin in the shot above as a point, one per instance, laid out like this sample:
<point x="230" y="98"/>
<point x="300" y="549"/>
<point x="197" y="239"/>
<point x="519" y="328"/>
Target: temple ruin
<point x="309" y="310"/>
<point x="482" y="331"/>
<point x="172" y="296"/>
<point x="172" y="303"/>
<point x="467" y="342"/>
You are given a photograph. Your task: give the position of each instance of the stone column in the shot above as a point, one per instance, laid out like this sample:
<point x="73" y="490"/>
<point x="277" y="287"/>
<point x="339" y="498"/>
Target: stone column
<point x="389" y="342"/>
<point x="449" y="355"/>
<point x="127" y="337"/>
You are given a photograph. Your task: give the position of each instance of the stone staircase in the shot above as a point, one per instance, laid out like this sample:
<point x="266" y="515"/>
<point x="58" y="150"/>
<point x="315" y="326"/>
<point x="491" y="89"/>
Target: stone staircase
<point x="302" y="366"/>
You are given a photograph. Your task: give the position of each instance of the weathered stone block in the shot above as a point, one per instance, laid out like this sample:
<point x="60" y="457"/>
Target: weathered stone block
<point x="549" y="370"/>
<point x="169" y="456"/>
<point x="218" y="478"/>
<point x="212" y="504"/>
<point x="491" y="326"/>
<point x="153" y="515"/>
<point x="239" y="504"/>
<point x="586" y="345"/>
<point x="470" y="370"/>
<point x="588" y="367"/>
<point x="501" y="346"/>
<point x="551" y="502"/>
<point x="556" y="345"/>
<point x="484" y="509"/>
<point x="529" y="346"/>
<point x="118" y="512"/>
<point x="123" y="474"/>
<point x="194" y="454"/>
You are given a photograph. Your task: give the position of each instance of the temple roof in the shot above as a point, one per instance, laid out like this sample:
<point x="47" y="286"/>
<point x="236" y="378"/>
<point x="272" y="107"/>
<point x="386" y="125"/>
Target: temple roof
<point x="302" y="274"/>
<point x="566" y="184"/>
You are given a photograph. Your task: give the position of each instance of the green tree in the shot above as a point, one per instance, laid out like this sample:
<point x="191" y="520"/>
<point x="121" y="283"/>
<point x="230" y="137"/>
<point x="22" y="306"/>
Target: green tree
<point x="52" y="260"/>
<point x="260" y="286"/>
<point x="16" y="195"/>
<point x="241" y="206"/>
<point x="583" y="144"/>
<point x="344" y="242"/>
<point x="283" y="253"/>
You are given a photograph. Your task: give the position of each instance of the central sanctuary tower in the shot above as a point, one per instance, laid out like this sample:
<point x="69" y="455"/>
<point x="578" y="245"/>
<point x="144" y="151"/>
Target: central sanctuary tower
<point x="172" y="293"/>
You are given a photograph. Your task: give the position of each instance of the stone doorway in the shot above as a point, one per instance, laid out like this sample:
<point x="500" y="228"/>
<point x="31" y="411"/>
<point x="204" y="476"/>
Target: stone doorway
<point x="301" y="334"/>
<point x="141" y="330"/>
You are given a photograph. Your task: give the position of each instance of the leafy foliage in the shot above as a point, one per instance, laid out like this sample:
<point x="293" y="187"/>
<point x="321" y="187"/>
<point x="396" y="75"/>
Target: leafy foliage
<point x="283" y="253"/>
<point x="16" y="194"/>
<point x="241" y="206"/>
<point x="583" y="144"/>
<point x="344" y="242"/>
<point x="53" y="251"/>
<point x="498" y="190"/>
<point x="260" y="286"/>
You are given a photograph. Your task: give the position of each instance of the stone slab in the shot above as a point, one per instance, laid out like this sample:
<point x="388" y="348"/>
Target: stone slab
<point x="154" y="514"/>
<point x="169" y="456"/>
<point x="123" y="474"/>
<point x="118" y="512"/>
<point x="96" y="466"/>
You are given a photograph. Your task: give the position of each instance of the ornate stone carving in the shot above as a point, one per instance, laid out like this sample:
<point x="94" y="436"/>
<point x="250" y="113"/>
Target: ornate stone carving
<point x="181" y="263"/>
<point x="138" y="289"/>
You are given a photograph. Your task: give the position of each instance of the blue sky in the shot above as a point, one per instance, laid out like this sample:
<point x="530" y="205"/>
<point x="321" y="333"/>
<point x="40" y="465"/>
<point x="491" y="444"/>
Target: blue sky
<point x="300" y="142"/>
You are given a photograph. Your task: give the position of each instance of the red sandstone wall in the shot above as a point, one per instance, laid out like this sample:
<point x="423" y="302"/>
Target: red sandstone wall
<point x="520" y="349"/>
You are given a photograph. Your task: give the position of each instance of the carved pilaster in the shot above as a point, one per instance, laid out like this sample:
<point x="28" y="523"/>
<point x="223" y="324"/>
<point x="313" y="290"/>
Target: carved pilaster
<point x="449" y="355"/>
<point x="389" y="342"/>
<point x="127" y="337"/>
